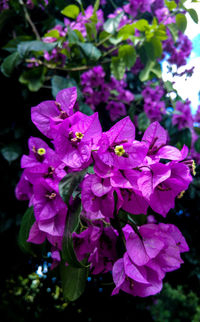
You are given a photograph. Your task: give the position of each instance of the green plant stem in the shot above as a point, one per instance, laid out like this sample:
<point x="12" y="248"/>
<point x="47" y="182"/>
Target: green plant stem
<point x="103" y="40"/>
<point x="70" y="69"/>
<point x="110" y="51"/>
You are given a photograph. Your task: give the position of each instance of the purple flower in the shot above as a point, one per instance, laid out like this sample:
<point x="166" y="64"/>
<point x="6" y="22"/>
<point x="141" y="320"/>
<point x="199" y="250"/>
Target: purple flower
<point x="47" y="202"/>
<point x="51" y="113"/>
<point x="124" y="19"/>
<point x="116" y="110"/>
<point x="134" y="202"/>
<point x="97" y="91"/>
<point x="97" y="197"/>
<point x="182" y="116"/>
<point x="39" y="153"/>
<point x="153" y="107"/>
<point x="148" y="257"/>
<point x="24" y="189"/>
<point x="136" y="6"/>
<point x="180" y="51"/>
<point x="75" y="139"/>
<point x="163" y="16"/>
<point x="100" y="243"/>
<point x="81" y="20"/>
<point x="155" y="138"/>
<point x="161" y="183"/>
<point x="118" y="148"/>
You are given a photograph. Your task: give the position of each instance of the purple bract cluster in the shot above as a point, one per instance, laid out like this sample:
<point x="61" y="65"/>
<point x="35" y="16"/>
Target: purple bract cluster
<point x="153" y="106"/>
<point x="182" y="115"/>
<point x="128" y="176"/>
<point x="180" y="51"/>
<point x="113" y="93"/>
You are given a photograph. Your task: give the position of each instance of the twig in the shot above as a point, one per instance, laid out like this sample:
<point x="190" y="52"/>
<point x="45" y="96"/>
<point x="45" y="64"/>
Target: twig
<point x="103" y="40"/>
<point x="70" y="69"/>
<point x="28" y="18"/>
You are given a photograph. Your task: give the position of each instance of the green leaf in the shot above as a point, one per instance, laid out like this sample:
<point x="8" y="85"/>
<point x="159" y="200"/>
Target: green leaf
<point x="174" y="30"/>
<point x="169" y="86"/>
<point x="81" y="5"/>
<point x="69" y="183"/>
<point x="11" y="152"/>
<point x="170" y="4"/>
<point x="84" y="108"/>
<point x="52" y="33"/>
<point x="73" y="37"/>
<point x="143" y="121"/>
<point x="11" y="46"/>
<point x="112" y="24"/>
<point x="197" y="130"/>
<point x="153" y="48"/>
<point x="126" y="31"/>
<point x="140" y="220"/>
<point x="26" y="47"/>
<point x="118" y="68"/>
<point x="91" y="169"/>
<point x="33" y="78"/>
<point x="160" y="33"/>
<point x="91" y="30"/>
<point x="72" y="223"/>
<point x="151" y="66"/>
<point x="71" y="11"/>
<point x="197" y="145"/>
<point x="73" y="281"/>
<point x="193" y="14"/>
<point x="58" y="83"/>
<point x="142" y="25"/>
<point x="182" y="137"/>
<point x="79" y="34"/>
<point x="96" y="6"/>
<point x="115" y="40"/>
<point x="26" y="224"/>
<point x="90" y="51"/>
<point x="156" y="70"/>
<point x="181" y="22"/>
<point x="145" y="73"/>
<point x="9" y="64"/>
<point x="128" y="54"/>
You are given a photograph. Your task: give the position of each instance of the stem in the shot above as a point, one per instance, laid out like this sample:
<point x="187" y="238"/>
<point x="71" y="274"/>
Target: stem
<point x="110" y="51"/>
<point x="28" y="18"/>
<point x="117" y="100"/>
<point x="103" y="40"/>
<point x="72" y="69"/>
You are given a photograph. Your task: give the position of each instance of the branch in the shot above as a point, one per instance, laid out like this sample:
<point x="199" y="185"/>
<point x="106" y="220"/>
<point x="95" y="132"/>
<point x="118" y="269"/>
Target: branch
<point x="28" y="18"/>
<point x="70" y="69"/>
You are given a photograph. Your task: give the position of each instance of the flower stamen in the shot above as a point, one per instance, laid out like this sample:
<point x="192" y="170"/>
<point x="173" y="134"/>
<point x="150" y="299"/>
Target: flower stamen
<point x="119" y="150"/>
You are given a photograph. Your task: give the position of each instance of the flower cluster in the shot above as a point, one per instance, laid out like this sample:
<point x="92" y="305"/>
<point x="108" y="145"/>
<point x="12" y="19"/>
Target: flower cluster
<point x="4" y="5"/>
<point x="180" y="51"/>
<point x="149" y="255"/>
<point x="182" y="116"/>
<point x="56" y="55"/>
<point x="153" y="106"/>
<point x="136" y="6"/>
<point x="113" y="93"/>
<point x="81" y="20"/>
<point x="128" y="176"/>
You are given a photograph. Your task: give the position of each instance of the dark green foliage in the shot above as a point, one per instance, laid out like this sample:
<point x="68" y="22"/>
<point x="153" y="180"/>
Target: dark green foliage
<point x="173" y="304"/>
<point x="26" y="224"/>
